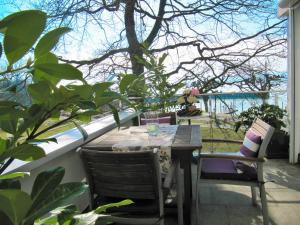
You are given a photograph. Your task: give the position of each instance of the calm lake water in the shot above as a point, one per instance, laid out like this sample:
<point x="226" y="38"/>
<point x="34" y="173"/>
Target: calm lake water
<point x="238" y="102"/>
<point x="241" y="102"/>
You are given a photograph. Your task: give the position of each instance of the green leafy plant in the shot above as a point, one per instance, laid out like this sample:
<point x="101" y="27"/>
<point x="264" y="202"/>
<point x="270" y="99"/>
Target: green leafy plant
<point x="135" y="89"/>
<point x="69" y="214"/>
<point x="22" y="125"/>
<point x="271" y="114"/>
<point x="48" y="195"/>
<point x="153" y="89"/>
<point x="158" y="83"/>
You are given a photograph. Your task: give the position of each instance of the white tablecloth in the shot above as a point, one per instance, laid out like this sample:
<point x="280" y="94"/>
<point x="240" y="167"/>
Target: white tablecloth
<point x="162" y="142"/>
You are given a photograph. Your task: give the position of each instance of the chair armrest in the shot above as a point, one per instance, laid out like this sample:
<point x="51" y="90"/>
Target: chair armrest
<point x="222" y="140"/>
<point x="169" y="177"/>
<point x="230" y="157"/>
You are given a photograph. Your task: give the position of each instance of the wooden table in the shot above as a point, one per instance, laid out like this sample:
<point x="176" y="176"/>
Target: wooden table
<point x="187" y="139"/>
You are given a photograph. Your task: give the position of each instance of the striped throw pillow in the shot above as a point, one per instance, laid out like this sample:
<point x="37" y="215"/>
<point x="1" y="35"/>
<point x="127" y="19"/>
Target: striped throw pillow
<point x="251" y="144"/>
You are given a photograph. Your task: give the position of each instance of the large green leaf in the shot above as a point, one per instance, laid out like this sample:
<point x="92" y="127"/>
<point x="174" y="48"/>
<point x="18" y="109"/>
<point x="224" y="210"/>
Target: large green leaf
<point x="8" y="123"/>
<point x="86" y="105"/>
<point x="81" y="130"/>
<point x="46" y="58"/>
<point x="4" y="219"/>
<point x="162" y="59"/>
<point x="3" y="145"/>
<point x="63" y="194"/>
<point x="8" y="104"/>
<point x="94" y="217"/>
<point x="26" y="152"/>
<point x="60" y="216"/>
<point x="103" y="100"/>
<point x="10" y="113"/>
<point x="39" y="75"/>
<point x="143" y="62"/>
<point x="49" y="40"/>
<point x="115" y="114"/>
<point x="14" y="175"/>
<point x="61" y="71"/>
<point x="120" y="97"/>
<point x="31" y="115"/>
<point x="91" y="218"/>
<point x="108" y="97"/>
<point x="126" y="81"/>
<point x="4" y="23"/>
<point x="9" y="117"/>
<point x="10" y="184"/>
<point x="86" y="115"/>
<point x="44" y="185"/>
<point x="22" y="31"/>
<point x="39" y="92"/>
<point x="15" y="204"/>
<point x="103" y="208"/>
<point x="84" y="91"/>
<point x="100" y="88"/>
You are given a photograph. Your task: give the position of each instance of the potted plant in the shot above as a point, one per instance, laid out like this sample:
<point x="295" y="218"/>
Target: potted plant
<point x="273" y="115"/>
<point x="187" y="103"/>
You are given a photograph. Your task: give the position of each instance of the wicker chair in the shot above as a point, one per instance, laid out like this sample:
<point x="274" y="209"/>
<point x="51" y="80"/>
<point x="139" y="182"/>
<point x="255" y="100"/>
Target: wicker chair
<point x="220" y="168"/>
<point x="114" y="176"/>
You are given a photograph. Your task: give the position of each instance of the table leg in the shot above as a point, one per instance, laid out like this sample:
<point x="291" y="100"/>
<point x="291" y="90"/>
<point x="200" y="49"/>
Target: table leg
<point x="186" y="165"/>
<point x="179" y="180"/>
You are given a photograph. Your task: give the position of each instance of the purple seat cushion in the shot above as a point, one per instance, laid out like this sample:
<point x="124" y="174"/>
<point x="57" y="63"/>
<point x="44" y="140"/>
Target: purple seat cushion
<point x="250" y="144"/>
<point x="161" y="120"/>
<point x="226" y="170"/>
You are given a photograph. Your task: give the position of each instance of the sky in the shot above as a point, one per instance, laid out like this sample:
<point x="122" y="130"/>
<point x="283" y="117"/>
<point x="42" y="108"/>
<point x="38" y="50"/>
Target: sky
<point x="87" y="49"/>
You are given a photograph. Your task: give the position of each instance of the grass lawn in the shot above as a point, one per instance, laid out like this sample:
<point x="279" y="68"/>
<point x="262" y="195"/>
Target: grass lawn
<point x="57" y="130"/>
<point x="218" y="133"/>
<point x="52" y="132"/>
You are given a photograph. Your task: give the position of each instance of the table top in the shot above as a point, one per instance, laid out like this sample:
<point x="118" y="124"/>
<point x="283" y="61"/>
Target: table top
<point x="187" y="138"/>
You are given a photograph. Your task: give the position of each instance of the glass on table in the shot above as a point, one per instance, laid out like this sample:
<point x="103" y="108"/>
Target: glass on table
<point x="152" y="122"/>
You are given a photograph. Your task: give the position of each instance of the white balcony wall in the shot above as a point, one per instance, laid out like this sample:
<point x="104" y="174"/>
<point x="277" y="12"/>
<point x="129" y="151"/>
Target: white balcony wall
<point x="296" y="26"/>
<point x="294" y="78"/>
<point x="291" y="8"/>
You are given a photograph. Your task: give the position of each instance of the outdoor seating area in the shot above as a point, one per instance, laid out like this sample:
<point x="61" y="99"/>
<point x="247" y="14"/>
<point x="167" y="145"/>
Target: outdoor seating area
<point x="213" y="173"/>
<point x="149" y="112"/>
<point x="227" y="204"/>
<point x="175" y="145"/>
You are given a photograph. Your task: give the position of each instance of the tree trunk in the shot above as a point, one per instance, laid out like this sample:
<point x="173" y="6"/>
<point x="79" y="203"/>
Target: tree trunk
<point x="205" y="100"/>
<point x="264" y="97"/>
<point x="135" y="48"/>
